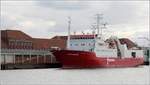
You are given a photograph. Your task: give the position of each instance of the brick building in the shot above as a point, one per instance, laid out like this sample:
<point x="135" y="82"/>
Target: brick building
<point x="20" y="48"/>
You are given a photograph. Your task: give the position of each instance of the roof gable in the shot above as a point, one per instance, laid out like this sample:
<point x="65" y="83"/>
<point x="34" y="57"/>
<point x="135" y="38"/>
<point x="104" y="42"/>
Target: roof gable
<point x="16" y="34"/>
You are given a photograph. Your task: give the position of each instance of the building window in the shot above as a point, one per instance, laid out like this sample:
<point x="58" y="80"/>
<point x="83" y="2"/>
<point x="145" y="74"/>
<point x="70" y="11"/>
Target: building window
<point x="19" y="43"/>
<point x="15" y="44"/>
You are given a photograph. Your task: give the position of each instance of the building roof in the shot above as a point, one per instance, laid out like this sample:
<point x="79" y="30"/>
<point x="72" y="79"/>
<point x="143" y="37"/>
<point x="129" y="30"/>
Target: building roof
<point x="15" y="34"/>
<point x="59" y="41"/>
<point x="128" y="42"/>
<point x="59" y="37"/>
<point x="39" y="43"/>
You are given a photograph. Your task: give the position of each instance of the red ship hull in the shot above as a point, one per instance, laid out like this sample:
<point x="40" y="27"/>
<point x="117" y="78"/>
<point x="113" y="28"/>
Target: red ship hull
<point x="83" y="59"/>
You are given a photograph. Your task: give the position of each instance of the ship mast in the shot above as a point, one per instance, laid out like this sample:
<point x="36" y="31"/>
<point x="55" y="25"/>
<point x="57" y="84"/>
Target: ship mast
<point x="68" y="38"/>
<point x="98" y="18"/>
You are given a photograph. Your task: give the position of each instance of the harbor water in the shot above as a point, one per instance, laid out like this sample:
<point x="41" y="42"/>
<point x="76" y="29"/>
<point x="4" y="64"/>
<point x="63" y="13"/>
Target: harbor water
<point x="100" y="76"/>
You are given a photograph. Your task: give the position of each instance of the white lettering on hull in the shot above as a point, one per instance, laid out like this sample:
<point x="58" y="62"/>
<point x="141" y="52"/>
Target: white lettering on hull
<point x="73" y="54"/>
<point x="110" y="60"/>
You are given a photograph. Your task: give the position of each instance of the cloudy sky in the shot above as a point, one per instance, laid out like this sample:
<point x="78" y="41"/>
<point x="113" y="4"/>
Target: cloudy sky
<point x="46" y="19"/>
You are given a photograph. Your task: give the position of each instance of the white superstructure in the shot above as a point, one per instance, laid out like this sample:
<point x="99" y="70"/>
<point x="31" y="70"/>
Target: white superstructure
<point x="102" y="48"/>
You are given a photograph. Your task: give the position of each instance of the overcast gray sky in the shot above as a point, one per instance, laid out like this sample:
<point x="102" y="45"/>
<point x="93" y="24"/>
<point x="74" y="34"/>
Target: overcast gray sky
<point x="46" y="19"/>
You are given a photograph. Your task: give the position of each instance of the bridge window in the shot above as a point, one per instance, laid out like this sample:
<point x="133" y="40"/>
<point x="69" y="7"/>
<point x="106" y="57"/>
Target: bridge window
<point x="133" y="54"/>
<point x="70" y="44"/>
<point x="82" y="44"/>
<point x="76" y="44"/>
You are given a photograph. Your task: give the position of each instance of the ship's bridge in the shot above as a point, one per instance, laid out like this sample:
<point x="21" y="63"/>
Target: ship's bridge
<point x="82" y="42"/>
